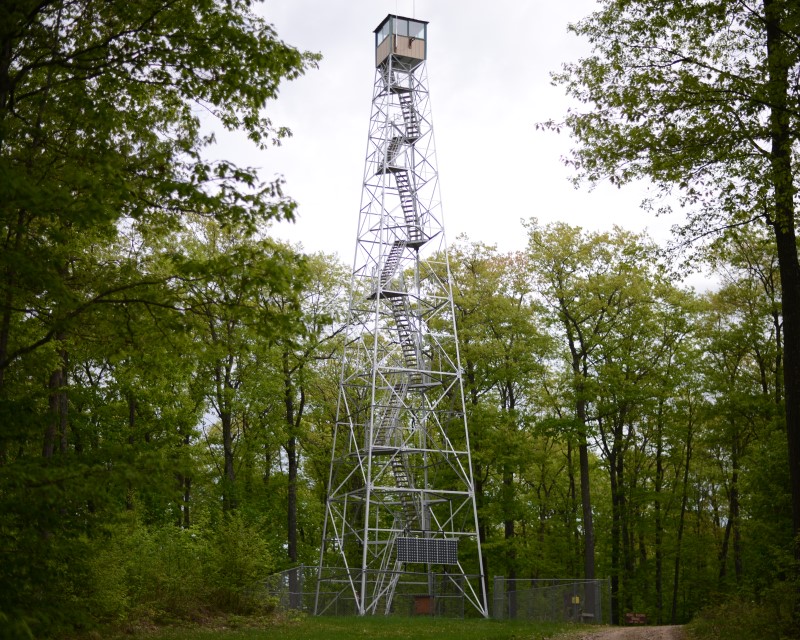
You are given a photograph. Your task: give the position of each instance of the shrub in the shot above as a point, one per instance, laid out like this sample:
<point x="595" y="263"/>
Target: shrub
<point x="236" y="559"/>
<point x="743" y="620"/>
<point x="146" y="571"/>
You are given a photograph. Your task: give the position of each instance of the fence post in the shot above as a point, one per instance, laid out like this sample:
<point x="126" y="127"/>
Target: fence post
<point x="295" y="597"/>
<point x="498" y="608"/>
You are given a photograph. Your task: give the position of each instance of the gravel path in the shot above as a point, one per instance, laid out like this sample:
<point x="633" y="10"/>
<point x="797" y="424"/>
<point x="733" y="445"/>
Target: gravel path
<point x="636" y="633"/>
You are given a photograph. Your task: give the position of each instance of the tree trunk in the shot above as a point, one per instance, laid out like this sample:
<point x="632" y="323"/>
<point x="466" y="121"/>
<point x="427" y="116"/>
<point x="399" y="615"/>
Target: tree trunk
<point x="131" y="440"/>
<point x="573" y="510"/>
<point x="477" y="474"/>
<point x="291" y="455"/>
<point x="681" y="523"/>
<point x="778" y="62"/>
<point x="511" y="557"/>
<point x="229" y="502"/>
<point x="580" y="373"/>
<point x="778" y="373"/>
<point x="586" y="501"/>
<point x="723" y="555"/>
<point x="586" y="497"/>
<point x="268" y="467"/>
<point x="185" y="486"/>
<point x="642" y="545"/>
<point x="508" y="507"/>
<point x="5" y="325"/>
<point x="224" y="384"/>
<point x="10" y="283"/>
<point x="56" y="430"/>
<point x="736" y="525"/>
<point x="187" y="496"/>
<point x="626" y="530"/>
<point x="53" y="417"/>
<point x="293" y="415"/>
<point x="659" y="526"/>
<point x="479" y="498"/>
<point x="615" y="540"/>
<point x="791" y="370"/>
<point x="621" y="541"/>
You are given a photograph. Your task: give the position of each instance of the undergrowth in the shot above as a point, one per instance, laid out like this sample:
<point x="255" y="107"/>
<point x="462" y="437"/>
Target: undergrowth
<point x="742" y="619"/>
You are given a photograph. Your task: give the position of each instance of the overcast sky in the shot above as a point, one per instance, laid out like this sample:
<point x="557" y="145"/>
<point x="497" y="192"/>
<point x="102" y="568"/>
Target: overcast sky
<point x="494" y="167"/>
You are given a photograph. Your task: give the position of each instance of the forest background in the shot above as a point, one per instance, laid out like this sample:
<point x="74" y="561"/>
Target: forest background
<point x="168" y="371"/>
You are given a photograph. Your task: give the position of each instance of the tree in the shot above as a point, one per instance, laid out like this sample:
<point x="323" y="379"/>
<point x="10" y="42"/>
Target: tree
<point x="502" y="349"/>
<point x="747" y="266"/>
<point x="236" y="322"/>
<point x="318" y="306"/>
<point x="630" y="364"/>
<point x="102" y="157"/>
<point x="581" y="278"/>
<point x="698" y="98"/>
<point x="676" y="382"/>
<point x="619" y="321"/>
<point x="98" y="125"/>
<point x="742" y="359"/>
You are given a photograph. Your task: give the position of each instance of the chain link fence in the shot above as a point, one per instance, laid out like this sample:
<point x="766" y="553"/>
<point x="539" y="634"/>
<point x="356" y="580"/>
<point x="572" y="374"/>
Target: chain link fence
<point x="584" y="601"/>
<point x="416" y="593"/>
<point x="441" y="595"/>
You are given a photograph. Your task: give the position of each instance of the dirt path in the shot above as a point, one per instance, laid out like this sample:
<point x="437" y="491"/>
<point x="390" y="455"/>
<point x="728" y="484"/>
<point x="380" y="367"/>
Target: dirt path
<point x="636" y="633"/>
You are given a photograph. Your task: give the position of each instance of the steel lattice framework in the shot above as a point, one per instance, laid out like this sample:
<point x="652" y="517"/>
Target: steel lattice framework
<point x="400" y="515"/>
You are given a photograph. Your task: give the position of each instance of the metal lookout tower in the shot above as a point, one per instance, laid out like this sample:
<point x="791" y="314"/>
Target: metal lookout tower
<point x="400" y="530"/>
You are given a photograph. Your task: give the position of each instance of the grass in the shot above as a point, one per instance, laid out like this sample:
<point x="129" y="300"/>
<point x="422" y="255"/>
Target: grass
<point x="353" y="628"/>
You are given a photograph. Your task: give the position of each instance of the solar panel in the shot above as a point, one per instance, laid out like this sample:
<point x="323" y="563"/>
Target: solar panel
<point x="427" y="550"/>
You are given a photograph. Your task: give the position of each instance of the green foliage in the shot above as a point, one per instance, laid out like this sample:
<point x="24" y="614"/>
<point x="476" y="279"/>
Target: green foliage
<point x="748" y="619"/>
<point x="696" y="98"/>
<point x="161" y="568"/>
<point x="11" y="629"/>
<point x="677" y="92"/>
<point x="236" y="559"/>
<point x="167" y="572"/>
<point x="103" y="166"/>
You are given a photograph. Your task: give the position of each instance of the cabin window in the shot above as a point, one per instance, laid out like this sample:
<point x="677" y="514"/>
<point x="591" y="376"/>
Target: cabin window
<point x="386" y="29"/>
<point x="401" y="27"/>
<point x="416" y="29"/>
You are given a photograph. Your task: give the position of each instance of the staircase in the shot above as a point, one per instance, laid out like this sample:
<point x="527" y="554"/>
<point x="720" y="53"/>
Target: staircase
<point x="394" y="150"/>
<point x="407" y="335"/>
<point x="387" y="434"/>
<point x="388" y="430"/>
<point x="407" y="501"/>
<point x="408" y="202"/>
<point x="391" y="262"/>
<point x="410" y="116"/>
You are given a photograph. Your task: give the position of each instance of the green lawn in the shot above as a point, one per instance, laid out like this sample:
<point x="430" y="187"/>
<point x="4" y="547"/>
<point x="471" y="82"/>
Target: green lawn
<point x="310" y="628"/>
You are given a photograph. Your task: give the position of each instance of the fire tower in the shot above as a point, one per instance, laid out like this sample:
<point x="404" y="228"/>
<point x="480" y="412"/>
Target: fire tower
<point x="401" y="521"/>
